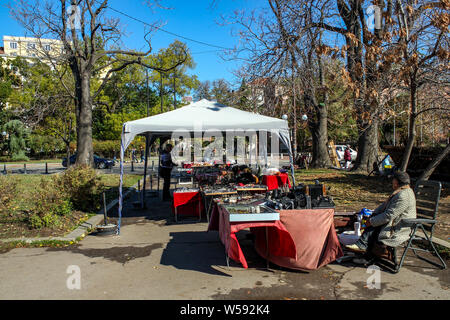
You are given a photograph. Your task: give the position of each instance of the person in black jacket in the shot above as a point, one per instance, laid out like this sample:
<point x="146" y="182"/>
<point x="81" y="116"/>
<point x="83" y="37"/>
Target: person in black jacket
<point x="166" y="166"/>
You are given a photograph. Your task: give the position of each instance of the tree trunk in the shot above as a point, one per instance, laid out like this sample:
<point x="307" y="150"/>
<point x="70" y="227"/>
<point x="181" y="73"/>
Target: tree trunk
<point x="85" y="152"/>
<point x="435" y="163"/>
<point x="412" y="126"/>
<point x="367" y="148"/>
<point x="319" y="133"/>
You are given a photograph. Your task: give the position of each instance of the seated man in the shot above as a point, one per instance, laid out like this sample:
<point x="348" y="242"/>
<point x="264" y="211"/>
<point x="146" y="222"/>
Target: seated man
<point x="385" y="224"/>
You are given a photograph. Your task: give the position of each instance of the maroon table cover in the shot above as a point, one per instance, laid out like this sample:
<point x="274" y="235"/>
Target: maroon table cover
<point x="280" y="241"/>
<point x="314" y="235"/>
<point x="187" y="203"/>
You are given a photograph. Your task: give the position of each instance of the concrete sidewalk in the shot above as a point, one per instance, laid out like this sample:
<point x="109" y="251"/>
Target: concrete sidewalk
<point x="154" y="258"/>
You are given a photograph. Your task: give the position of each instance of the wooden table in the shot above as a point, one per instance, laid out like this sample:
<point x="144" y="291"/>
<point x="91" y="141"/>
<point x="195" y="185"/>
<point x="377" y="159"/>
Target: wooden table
<point x="208" y="198"/>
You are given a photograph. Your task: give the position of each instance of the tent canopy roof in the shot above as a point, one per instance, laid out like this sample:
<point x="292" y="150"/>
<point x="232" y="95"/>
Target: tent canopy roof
<point x="204" y="115"/>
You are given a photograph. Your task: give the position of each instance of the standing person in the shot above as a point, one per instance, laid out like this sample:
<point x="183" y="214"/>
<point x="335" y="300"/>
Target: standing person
<point x="347" y="157"/>
<point x="133" y="155"/>
<point x="142" y="154"/>
<point x="166" y="166"/>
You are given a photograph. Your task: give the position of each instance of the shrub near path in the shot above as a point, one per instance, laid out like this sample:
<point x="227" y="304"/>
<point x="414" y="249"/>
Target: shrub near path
<point x="43" y="205"/>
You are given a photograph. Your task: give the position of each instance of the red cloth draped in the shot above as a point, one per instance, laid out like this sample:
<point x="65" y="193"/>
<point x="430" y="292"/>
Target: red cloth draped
<point x="280" y="241"/>
<point x="314" y="235"/>
<point x="312" y="231"/>
<point x="187" y="203"/>
<point x="276" y="181"/>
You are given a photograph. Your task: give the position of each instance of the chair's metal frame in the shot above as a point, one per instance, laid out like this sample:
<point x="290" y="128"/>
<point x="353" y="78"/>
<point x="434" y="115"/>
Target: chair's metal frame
<point x="416" y="224"/>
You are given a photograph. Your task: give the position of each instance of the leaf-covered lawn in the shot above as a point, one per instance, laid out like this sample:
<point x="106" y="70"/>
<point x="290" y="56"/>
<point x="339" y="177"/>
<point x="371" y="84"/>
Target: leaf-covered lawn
<point x="350" y="191"/>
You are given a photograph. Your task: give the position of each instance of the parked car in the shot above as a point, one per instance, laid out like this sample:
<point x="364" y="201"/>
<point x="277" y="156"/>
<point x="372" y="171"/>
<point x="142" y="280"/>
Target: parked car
<point x="340" y="152"/>
<point x="99" y="163"/>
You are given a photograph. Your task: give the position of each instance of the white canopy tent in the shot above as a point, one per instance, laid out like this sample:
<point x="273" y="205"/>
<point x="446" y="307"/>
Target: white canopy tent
<point x="201" y="117"/>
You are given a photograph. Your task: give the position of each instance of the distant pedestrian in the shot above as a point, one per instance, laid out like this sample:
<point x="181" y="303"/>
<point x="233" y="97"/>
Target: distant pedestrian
<point x="133" y="155"/>
<point x="142" y="154"/>
<point x="347" y="157"/>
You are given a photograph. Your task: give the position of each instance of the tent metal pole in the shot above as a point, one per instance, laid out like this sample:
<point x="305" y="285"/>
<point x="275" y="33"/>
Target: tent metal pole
<point x="143" y="203"/>
<point x="122" y="151"/>
<point x="292" y="169"/>
<point x="159" y="161"/>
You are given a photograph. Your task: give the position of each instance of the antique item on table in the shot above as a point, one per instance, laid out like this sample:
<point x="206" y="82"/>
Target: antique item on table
<point x="252" y="187"/>
<point x="222" y="190"/>
<point x="184" y="189"/>
<point x="302" y="197"/>
<point x="251" y="213"/>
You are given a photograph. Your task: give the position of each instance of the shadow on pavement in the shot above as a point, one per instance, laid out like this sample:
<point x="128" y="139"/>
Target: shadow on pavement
<point x="197" y="251"/>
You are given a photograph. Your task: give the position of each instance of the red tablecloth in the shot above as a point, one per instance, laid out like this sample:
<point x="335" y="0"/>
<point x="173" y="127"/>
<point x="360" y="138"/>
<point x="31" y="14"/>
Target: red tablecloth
<point x="187" y="203"/>
<point x="276" y="181"/>
<point x="312" y="231"/>
<point x="280" y="241"/>
<point x="314" y="235"/>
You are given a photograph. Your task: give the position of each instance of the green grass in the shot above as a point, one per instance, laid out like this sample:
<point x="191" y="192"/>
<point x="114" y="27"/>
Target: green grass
<point x="111" y="182"/>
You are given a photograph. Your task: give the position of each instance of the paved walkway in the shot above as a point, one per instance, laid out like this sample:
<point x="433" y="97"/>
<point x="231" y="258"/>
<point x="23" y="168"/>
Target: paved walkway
<point x="154" y="258"/>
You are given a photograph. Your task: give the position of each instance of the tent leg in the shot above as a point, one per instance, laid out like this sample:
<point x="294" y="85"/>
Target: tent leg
<point x="159" y="163"/>
<point x="143" y="203"/>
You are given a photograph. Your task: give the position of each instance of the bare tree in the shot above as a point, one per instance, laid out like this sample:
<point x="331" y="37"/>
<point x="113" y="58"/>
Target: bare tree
<point x="91" y="47"/>
<point x="282" y="55"/>
<point x="424" y="43"/>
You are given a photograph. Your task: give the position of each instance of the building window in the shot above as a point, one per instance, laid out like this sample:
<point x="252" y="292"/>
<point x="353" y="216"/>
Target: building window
<point x="47" y="47"/>
<point x="13" y="45"/>
<point x="31" y="46"/>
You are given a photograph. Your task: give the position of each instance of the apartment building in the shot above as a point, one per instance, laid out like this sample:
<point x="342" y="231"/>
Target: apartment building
<point x="29" y="48"/>
<point x="34" y="48"/>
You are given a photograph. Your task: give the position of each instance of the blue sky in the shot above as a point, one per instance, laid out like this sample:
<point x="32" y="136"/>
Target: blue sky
<point x="195" y="19"/>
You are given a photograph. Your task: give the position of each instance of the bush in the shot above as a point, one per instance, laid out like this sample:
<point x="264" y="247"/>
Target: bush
<point x="45" y="146"/>
<point x="20" y="156"/>
<point x="50" y="202"/>
<point x="48" y="220"/>
<point x="82" y="186"/>
<point x="107" y="148"/>
<point x="8" y="191"/>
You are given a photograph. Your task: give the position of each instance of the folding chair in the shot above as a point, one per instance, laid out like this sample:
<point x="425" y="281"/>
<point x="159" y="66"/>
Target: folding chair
<point x="427" y="202"/>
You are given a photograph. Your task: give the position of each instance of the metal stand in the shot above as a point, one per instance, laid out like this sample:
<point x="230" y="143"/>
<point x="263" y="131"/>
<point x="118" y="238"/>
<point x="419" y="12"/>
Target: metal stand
<point x="106" y="228"/>
<point x="145" y="171"/>
<point x="267" y="248"/>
